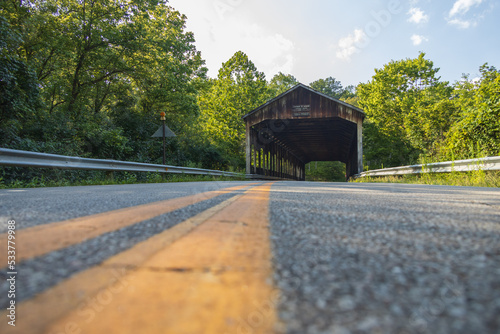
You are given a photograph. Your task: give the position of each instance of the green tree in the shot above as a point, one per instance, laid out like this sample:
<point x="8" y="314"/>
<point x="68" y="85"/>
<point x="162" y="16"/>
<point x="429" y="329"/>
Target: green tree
<point x="100" y="61"/>
<point x="476" y="133"/>
<point x="19" y="94"/>
<point x="389" y="97"/>
<point x="382" y="149"/>
<point x="430" y="118"/>
<point x="80" y="48"/>
<point x="167" y="73"/>
<point x="325" y="171"/>
<point x="350" y="96"/>
<point x="329" y="86"/>
<point x="404" y="102"/>
<point x="238" y="89"/>
<point x="280" y="83"/>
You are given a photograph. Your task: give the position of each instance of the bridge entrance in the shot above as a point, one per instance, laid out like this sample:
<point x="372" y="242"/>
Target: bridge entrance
<point x="299" y="126"/>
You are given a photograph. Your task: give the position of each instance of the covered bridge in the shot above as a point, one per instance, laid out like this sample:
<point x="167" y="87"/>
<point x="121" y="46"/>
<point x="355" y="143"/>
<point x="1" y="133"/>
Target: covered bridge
<point x="300" y="126"/>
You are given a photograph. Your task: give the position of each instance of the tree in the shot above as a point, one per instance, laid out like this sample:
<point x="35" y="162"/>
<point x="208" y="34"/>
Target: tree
<point x="19" y="94"/>
<point x="167" y="73"/>
<point x="430" y="118"/>
<point x="280" y="83"/>
<point x="329" y="86"/>
<point x="382" y="149"/>
<point x="394" y="90"/>
<point x="238" y="89"/>
<point x="325" y="171"/>
<point x="350" y="96"/>
<point x="405" y="102"/>
<point x="97" y="60"/>
<point x="80" y="48"/>
<point x="476" y="133"/>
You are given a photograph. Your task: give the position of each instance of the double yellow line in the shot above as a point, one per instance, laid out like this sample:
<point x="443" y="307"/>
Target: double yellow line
<point x="208" y="274"/>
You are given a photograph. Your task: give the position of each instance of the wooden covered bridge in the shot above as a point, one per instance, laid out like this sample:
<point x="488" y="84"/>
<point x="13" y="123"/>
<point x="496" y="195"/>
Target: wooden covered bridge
<point x="300" y="126"/>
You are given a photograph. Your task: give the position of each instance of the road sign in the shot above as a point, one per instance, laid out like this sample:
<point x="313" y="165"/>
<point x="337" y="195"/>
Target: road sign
<point x="159" y="132"/>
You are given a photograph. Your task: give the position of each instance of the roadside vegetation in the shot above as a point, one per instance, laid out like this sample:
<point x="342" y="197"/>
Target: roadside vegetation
<point x="51" y="178"/>
<point x="90" y="80"/>
<point x="467" y="179"/>
<point x="325" y="171"/>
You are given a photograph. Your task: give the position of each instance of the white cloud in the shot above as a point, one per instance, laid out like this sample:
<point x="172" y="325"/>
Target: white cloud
<point x="461" y="7"/>
<point x="462" y="24"/>
<point x="417" y="16"/>
<point x="418" y="39"/>
<point x="456" y="16"/>
<point x="350" y="45"/>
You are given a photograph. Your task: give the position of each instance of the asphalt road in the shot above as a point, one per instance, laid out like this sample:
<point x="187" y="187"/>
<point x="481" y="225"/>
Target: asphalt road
<point x="344" y="257"/>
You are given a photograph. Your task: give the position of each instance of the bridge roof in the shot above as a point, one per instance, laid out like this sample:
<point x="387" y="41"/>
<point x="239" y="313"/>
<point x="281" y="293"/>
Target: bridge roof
<point x="311" y="125"/>
<point x="296" y="87"/>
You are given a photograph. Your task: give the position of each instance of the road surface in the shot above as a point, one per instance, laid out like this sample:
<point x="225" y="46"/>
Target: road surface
<point x="250" y="257"/>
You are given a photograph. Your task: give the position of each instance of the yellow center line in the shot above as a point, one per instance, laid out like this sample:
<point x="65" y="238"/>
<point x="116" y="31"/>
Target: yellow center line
<point x="209" y="274"/>
<point x="42" y="239"/>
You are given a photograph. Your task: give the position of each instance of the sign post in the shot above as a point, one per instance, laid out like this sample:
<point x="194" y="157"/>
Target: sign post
<point x="164" y="132"/>
<point x="162" y="114"/>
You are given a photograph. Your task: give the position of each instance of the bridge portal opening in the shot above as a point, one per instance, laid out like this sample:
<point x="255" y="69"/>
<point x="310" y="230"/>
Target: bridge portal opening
<point x="300" y="126"/>
<point x="326" y="171"/>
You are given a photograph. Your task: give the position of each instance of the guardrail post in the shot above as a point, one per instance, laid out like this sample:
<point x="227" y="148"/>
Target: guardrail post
<point x="110" y="175"/>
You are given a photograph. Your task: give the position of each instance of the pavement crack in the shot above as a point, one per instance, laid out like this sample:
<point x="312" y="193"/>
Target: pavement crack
<point x="212" y="270"/>
<point x="487" y="204"/>
<point x="233" y="222"/>
<point x="174" y="269"/>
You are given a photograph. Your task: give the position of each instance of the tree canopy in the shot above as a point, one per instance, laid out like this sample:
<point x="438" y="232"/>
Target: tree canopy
<point x="238" y="89"/>
<point x="280" y="83"/>
<point x="91" y="65"/>
<point x="476" y="130"/>
<point x="412" y="114"/>
<point x="329" y="86"/>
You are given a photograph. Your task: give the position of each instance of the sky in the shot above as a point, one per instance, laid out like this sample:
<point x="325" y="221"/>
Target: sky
<point x="347" y="40"/>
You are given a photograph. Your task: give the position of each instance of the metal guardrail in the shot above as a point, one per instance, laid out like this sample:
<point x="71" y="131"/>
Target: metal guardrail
<point x="490" y="163"/>
<point x="18" y="158"/>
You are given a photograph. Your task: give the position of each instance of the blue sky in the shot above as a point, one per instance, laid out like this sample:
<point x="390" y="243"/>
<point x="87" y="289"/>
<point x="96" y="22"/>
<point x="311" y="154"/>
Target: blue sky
<point x="345" y="39"/>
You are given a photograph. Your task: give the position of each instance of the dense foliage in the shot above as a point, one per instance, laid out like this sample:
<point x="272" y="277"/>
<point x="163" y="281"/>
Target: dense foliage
<point x="238" y="89"/>
<point x="413" y="115"/>
<point x="331" y="171"/>
<point x="90" y="77"/>
<point x="476" y="130"/>
<point x="332" y="87"/>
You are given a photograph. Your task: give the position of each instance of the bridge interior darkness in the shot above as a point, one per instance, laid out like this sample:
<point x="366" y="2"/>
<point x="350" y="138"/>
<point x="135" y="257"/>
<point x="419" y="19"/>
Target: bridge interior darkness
<point x="300" y="126"/>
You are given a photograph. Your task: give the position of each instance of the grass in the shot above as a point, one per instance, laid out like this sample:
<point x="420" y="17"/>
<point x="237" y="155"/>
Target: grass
<point x="74" y="178"/>
<point x="87" y="178"/>
<point x="469" y="179"/>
